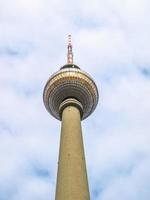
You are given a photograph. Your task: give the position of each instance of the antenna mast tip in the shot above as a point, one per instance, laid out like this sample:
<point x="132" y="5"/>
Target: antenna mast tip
<point x="70" y="53"/>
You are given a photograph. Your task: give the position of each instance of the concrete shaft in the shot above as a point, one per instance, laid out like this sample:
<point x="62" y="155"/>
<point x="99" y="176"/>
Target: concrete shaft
<point x="72" y="183"/>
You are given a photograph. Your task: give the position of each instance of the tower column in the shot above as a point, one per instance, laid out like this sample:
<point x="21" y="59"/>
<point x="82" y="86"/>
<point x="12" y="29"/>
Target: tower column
<point x="72" y="183"/>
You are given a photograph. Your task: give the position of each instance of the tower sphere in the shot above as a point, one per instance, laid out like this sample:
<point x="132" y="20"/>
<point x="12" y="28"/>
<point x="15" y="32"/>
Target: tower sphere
<point x="70" y="82"/>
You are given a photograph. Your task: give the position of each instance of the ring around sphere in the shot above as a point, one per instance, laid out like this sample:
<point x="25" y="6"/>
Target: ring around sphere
<point x="70" y="102"/>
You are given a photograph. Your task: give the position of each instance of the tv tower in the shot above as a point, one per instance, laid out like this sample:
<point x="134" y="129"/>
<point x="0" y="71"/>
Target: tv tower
<point x="71" y="95"/>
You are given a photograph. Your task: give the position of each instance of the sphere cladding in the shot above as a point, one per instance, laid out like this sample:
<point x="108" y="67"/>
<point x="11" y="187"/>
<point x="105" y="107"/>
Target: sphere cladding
<point x="70" y="82"/>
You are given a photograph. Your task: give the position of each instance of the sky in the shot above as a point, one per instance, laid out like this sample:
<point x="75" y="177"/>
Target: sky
<point x="111" y="41"/>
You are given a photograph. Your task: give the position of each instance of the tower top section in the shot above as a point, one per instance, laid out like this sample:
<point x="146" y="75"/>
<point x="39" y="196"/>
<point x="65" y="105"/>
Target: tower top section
<point x="70" y="53"/>
<point x="70" y="86"/>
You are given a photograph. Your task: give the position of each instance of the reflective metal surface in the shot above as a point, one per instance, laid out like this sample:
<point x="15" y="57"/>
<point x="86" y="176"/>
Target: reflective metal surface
<point x="70" y="83"/>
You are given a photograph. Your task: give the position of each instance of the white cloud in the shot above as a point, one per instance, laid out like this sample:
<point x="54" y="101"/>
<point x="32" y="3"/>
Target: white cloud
<point x="111" y="42"/>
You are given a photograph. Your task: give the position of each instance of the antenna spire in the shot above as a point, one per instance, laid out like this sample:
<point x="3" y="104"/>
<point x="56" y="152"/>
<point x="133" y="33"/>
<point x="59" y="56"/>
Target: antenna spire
<point x="70" y="53"/>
